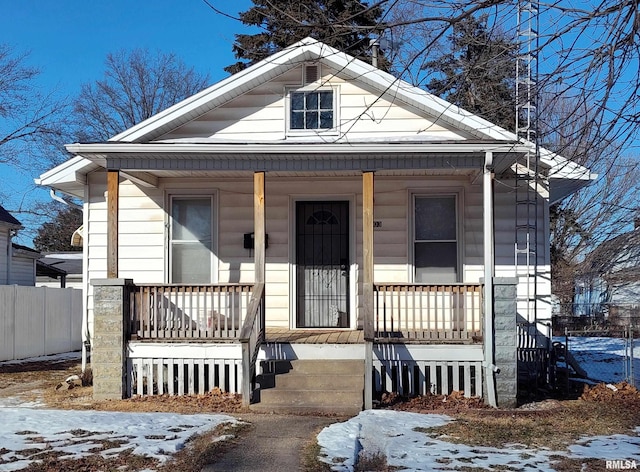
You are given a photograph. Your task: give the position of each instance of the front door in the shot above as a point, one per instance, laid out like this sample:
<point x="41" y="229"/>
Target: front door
<point x="322" y="261"/>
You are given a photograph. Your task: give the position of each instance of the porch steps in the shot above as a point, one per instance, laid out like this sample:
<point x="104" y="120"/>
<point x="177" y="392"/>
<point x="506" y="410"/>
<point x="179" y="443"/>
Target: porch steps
<point x="311" y="386"/>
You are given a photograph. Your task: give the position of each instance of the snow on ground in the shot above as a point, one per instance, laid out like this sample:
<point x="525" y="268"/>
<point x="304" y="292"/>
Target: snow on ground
<point x="65" y="356"/>
<point x="75" y="433"/>
<point x="396" y="435"/>
<point x="400" y="436"/>
<point x="604" y="358"/>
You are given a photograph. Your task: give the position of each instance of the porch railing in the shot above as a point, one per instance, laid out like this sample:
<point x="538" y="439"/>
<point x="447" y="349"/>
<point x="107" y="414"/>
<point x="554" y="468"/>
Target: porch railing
<point x="251" y="337"/>
<point x="428" y="312"/>
<point x="188" y="311"/>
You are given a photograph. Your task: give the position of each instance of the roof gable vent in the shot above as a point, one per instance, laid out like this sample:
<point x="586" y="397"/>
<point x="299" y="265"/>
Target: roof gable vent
<point x="311" y="73"/>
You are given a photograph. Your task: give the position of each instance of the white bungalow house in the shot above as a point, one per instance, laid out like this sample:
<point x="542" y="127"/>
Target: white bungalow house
<point x="312" y="210"/>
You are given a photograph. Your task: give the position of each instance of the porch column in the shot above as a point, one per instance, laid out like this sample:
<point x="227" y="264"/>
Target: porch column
<point x="113" y="189"/>
<point x="109" y="350"/>
<point x="489" y="261"/>
<point x="505" y="317"/>
<point x="367" y="285"/>
<point x="259" y="222"/>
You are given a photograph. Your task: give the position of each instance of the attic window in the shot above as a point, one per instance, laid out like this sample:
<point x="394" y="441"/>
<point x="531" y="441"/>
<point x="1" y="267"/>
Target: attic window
<point x="312" y="110"/>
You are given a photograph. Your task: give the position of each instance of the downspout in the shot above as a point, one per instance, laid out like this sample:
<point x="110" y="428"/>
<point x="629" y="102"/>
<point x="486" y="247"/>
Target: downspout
<point x="489" y="261"/>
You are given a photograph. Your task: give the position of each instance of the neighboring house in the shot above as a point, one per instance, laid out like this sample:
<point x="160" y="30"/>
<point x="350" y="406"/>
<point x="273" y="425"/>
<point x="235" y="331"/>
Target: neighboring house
<point x="60" y="269"/>
<point x="609" y="284"/>
<point x="17" y="263"/>
<point x="309" y="208"/>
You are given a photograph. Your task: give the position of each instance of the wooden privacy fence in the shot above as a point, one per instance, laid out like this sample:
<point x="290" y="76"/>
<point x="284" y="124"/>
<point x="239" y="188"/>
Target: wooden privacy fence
<point x="420" y="311"/>
<point x="38" y="321"/>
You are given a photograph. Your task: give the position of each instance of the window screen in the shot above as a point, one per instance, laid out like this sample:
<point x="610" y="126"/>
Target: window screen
<point x="191" y="239"/>
<point x="435" y="239"/>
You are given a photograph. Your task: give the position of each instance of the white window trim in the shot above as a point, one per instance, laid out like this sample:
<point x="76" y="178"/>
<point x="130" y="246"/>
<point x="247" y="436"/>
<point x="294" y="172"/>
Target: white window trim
<point x="172" y="193"/>
<point x="456" y="192"/>
<point x="313" y="132"/>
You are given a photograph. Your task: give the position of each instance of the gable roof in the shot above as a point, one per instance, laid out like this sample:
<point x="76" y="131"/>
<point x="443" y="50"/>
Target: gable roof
<point x="8" y="219"/>
<point x="142" y="140"/>
<point x="311" y="50"/>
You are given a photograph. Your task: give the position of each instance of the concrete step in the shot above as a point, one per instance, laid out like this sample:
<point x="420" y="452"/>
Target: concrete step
<point x="297" y="381"/>
<point x="305" y="366"/>
<point x="304" y="386"/>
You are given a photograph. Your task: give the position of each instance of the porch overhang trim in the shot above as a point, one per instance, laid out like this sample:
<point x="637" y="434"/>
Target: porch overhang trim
<point x="93" y="150"/>
<point x="359" y="162"/>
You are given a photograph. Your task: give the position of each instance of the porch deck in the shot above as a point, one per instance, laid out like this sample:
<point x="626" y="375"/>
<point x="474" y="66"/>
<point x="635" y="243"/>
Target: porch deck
<point x="284" y="335"/>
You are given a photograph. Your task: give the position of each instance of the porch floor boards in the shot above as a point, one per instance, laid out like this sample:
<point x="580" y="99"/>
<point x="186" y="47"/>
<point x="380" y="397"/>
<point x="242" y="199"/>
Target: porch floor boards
<point x="328" y="336"/>
<point x="284" y="335"/>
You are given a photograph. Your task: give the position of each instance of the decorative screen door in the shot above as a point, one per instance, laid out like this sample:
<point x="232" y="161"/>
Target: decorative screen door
<point x="322" y="261"/>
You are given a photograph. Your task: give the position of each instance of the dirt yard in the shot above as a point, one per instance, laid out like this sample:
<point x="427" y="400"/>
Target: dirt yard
<point x="45" y="383"/>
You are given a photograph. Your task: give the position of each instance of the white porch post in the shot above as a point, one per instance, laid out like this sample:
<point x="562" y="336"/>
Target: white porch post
<point x="489" y="261"/>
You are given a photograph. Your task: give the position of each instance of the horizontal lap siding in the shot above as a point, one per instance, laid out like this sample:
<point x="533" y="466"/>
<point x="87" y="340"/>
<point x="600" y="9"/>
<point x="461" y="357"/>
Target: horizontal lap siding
<point x="142" y="231"/>
<point x="505" y="246"/>
<point x="141" y="234"/>
<point x="262" y="112"/>
<point x="4" y="241"/>
<point x="23" y="271"/>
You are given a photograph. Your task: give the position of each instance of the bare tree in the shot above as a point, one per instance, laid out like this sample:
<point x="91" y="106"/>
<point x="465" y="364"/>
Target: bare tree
<point x="30" y="122"/>
<point x="589" y="89"/>
<point x="600" y="212"/>
<point x="136" y="86"/>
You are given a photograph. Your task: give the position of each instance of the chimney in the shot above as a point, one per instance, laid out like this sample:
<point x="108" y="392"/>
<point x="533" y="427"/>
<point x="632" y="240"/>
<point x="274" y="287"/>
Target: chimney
<point x="375" y="48"/>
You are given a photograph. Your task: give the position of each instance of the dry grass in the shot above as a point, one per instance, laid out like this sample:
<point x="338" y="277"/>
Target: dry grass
<point x="599" y="412"/>
<point x="554" y="429"/>
<point x="204" y="448"/>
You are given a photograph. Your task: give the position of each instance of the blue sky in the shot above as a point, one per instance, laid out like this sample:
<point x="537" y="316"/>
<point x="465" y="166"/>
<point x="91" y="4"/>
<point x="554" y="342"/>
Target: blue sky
<point x="68" y="41"/>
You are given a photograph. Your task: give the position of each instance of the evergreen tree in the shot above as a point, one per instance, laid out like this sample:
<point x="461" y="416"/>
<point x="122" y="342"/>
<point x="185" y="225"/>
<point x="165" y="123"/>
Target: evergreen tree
<point x="478" y="72"/>
<point x="343" y="24"/>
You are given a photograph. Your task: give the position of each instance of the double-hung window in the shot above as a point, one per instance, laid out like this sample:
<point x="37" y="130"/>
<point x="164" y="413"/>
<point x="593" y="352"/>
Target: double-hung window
<point x="191" y="239"/>
<point x="312" y="110"/>
<point x="435" y="238"/>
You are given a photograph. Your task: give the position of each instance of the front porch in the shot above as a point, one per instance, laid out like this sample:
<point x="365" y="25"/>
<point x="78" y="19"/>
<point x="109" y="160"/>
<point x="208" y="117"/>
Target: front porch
<point x="182" y="339"/>
<point x="413" y="338"/>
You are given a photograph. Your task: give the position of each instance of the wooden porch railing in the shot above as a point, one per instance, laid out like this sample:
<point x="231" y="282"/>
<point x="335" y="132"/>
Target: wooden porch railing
<point x="251" y="337"/>
<point x="428" y="312"/>
<point x="188" y="311"/>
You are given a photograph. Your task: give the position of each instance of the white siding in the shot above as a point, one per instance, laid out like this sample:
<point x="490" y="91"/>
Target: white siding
<point x="362" y="113"/>
<point x="23" y="271"/>
<point x="143" y="251"/>
<point x="4" y="243"/>
<point x="505" y="231"/>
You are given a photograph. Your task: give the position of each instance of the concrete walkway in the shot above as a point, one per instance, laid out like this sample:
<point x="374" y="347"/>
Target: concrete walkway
<point x="274" y="443"/>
